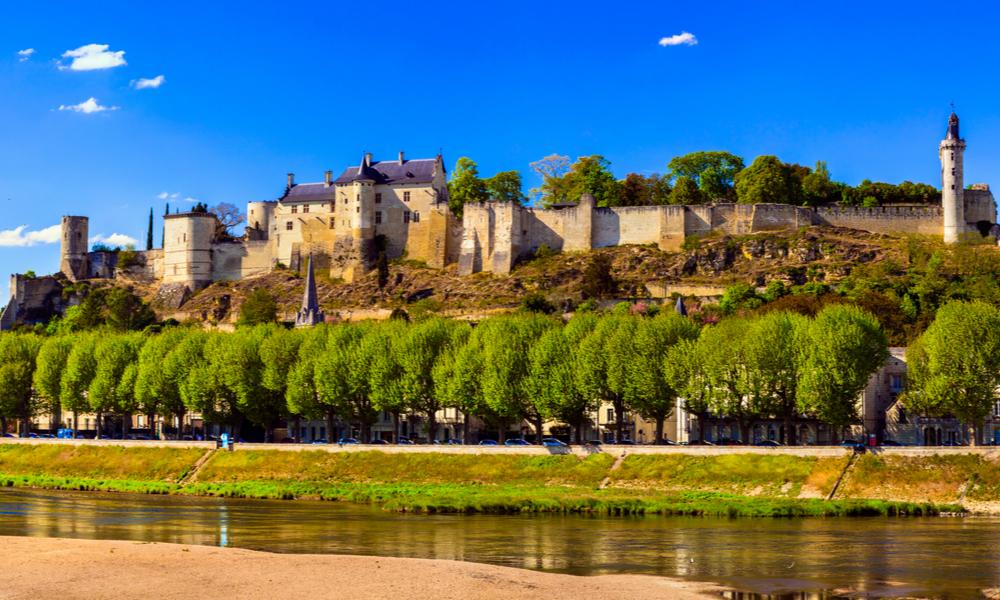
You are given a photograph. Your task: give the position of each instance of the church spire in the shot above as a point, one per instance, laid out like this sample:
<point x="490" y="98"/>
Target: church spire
<point x="310" y="313"/>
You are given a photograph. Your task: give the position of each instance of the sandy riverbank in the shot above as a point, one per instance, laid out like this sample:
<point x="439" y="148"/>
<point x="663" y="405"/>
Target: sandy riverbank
<point x="93" y="569"/>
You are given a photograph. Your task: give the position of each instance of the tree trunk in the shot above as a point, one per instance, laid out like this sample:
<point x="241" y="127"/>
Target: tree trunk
<point x="126" y="424"/>
<point x="579" y="432"/>
<point x="395" y="426"/>
<point x="974" y="440"/>
<point x="702" y="426"/>
<point x="56" y="422"/>
<point x="297" y="424"/>
<point x="99" y="422"/>
<point x="3" y="425"/>
<point x="503" y="432"/>
<point x="659" y="430"/>
<point x="790" y="437"/>
<point x="76" y="423"/>
<point x="151" y="424"/>
<point x="329" y="427"/>
<point x="619" y="420"/>
<point x="745" y="432"/>
<point x="465" y="429"/>
<point x="431" y="426"/>
<point x="538" y="429"/>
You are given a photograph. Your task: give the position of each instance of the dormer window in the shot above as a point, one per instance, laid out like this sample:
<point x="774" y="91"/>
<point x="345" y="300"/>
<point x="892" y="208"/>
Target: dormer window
<point x="406" y="196"/>
<point x="305" y="208"/>
<point x="295" y="209"/>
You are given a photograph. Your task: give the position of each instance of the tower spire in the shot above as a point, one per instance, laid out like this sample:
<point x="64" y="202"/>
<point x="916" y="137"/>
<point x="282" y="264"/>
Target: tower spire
<point x="310" y="313"/>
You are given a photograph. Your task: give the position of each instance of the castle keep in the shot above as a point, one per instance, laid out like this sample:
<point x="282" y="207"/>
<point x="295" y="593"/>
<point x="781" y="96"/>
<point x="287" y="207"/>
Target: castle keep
<point x="400" y="207"/>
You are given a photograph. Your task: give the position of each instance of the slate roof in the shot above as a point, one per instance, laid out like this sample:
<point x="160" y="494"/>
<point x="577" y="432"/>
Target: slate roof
<point x="390" y="172"/>
<point x="307" y="192"/>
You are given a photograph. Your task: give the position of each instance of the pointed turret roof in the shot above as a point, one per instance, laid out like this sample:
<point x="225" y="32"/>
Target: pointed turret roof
<point x="680" y="308"/>
<point x="310" y="313"/>
<point x="953" y="128"/>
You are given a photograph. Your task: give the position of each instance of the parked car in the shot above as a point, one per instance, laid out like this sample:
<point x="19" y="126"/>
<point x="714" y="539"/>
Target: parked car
<point x="320" y="441"/>
<point x="9" y="435"/>
<point x="348" y="441"/>
<point x="517" y="442"/>
<point x="594" y="443"/>
<point x="768" y="444"/>
<point x="379" y="442"/>
<point x="404" y="441"/>
<point x="891" y="443"/>
<point x="448" y="442"/>
<point x="857" y="445"/>
<point x="488" y="443"/>
<point x="553" y="443"/>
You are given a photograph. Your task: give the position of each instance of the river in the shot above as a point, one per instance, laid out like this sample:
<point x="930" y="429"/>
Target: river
<point x="875" y="557"/>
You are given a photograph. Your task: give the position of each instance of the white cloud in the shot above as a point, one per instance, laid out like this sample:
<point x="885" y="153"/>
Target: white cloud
<point x="93" y="57"/>
<point x="149" y="84"/>
<point x="87" y="107"/>
<point x="19" y="237"/>
<point x="25" y="54"/>
<point x="681" y="39"/>
<point x="115" y="239"/>
<point x="190" y="199"/>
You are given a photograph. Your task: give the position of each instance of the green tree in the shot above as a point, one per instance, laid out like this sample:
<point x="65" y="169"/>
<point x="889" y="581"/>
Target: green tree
<point x="81" y="365"/>
<point x="768" y="180"/>
<point x="843" y="346"/>
<point x="686" y="192"/>
<point x="302" y="392"/>
<point x="336" y="385"/>
<point x="384" y="371"/>
<point x="733" y="392"/>
<point x="125" y="311"/>
<point x="18" y="354"/>
<point x="650" y="388"/>
<point x="714" y="173"/>
<point x="817" y="188"/>
<point x="954" y="368"/>
<point x="157" y="382"/>
<point x="507" y="367"/>
<point x="423" y="344"/>
<point x="149" y="231"/>
<point x="465" y="186"/>
<point x="601" y="364"/>
<point x="772" y="350"/>
<point x="112" y="389"/>
<point x="688" y="373"/>
<point x="456" y="378"/>
<point x="505" y="187"/>
<point x="258" y="308"/>
<point x="50" y="365"/>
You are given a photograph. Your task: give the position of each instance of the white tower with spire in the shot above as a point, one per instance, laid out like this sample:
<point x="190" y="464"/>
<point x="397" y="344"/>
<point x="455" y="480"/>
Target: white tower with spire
<point x="952" y="182"/>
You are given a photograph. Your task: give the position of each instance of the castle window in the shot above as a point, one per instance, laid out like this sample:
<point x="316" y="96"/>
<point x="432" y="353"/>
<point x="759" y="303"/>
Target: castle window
<point x="288" y="226"/>
<point x="378" y="198"/>
<point x="333" y="222"/>
<point x="953" y="172"/>
<point x="305" y="208"/>
<point x="184" y="238"/>
<point x="333" y="205"/>
<point x="378" y="217"/>
<point x="357" y="209"/>
<point x="406" y="216"/>
<point x="953" y="186"/>
<point x="406" y="196"/>
<point x="416" y="216"/>
<point x="295" y="209"/>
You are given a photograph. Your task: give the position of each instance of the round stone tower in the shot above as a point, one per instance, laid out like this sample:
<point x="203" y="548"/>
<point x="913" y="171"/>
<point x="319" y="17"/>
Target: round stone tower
<point x="187" y="249"/>
<point x="952" y="182"/>
<point x="73" y="261"/>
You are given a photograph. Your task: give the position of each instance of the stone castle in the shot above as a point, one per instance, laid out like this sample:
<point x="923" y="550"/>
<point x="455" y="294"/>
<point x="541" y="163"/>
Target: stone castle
<point x="401" y="207"/>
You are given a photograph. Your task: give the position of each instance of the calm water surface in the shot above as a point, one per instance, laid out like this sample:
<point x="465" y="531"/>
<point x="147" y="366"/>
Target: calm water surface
<point x="872" y="557"/>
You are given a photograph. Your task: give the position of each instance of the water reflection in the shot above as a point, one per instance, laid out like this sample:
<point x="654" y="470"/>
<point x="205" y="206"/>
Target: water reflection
<point x="952" y="558"/>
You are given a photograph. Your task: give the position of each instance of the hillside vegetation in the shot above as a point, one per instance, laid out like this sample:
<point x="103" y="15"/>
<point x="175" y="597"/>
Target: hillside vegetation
<point x="729" y="484"/>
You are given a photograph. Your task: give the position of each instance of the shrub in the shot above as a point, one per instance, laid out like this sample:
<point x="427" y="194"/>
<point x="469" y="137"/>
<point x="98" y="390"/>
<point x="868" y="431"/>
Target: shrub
<point x="597" y="279"/>
<point x="537" y="303"/>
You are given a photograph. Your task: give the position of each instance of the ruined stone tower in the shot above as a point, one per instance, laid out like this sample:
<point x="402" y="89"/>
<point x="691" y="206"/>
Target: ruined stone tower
<point x="952" y="182"/>
<point x="73" y="260"/>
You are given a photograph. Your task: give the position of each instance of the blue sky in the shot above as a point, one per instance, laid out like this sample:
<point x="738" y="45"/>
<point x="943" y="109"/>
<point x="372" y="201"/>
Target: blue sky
<point x="252" y="93"/>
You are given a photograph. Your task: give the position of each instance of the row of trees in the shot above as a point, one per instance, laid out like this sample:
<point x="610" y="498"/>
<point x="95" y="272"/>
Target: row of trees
<point x="505" y="370"/>
<point x="695" y="178"/>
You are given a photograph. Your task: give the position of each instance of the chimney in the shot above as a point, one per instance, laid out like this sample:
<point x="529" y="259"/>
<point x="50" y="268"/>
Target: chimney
<point x="328" y="178"/>
<point x="291" y="180"/>
<point x="401" y="161"/>
<point x="368" y="159"/>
